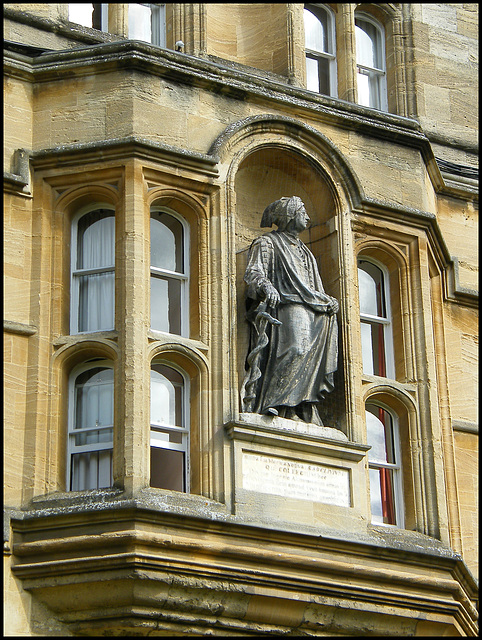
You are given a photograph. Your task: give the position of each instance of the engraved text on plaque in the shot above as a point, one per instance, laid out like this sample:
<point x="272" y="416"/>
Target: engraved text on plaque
<point x="295" y="479"/>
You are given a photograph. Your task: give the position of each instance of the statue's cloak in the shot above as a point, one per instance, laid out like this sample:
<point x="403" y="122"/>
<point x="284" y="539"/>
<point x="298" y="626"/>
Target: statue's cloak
<point x="298" y="363"/>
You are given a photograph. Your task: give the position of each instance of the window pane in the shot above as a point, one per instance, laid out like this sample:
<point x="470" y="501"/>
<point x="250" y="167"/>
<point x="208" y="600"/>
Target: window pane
<point x="312" y="79"/>
<point x="81" y="13"/>
<point x="381" y="496"/>
<point x="91" y="470"/>
<point x="167" y="469"/>
<point x="373" y="348"/>
<point x="166" y="396"/>
<point x="324" y="76"/>
<point x="363" y="85"/>
<point x="380" y="435"/>
<point x="94" y="398"/>
<point x="367" y="348"/>
<point x="139" y="22"/>
<point x="166" y="304"/>
<point x="93" y="407"/>
<point x="368" y="44"/>
<point x="95" y="240"/>
<point x="371" y="290"/>
<point x="167" y="243"/>
<point x="158" y="25"/>
<point x="96" y="302"/>
<point x="369" y="90"/>
<point x="316" y="31"/>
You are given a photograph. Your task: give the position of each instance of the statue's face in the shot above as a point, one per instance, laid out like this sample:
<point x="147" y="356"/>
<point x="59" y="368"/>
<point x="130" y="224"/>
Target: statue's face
<point x="301" y="220"/>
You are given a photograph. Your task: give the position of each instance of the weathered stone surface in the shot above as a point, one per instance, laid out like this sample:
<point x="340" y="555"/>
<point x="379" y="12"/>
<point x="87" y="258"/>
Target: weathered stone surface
<point x="216" y="133"/>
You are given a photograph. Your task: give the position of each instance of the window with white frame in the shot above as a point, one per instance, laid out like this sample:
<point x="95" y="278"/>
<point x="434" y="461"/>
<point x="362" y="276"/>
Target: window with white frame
<point x="93" y="264"/>
<point x="320" y="49"/>
<point x="91" y="426"/>
<point x="169" y="428"/>
<point x="147" y="22"/>
<point x="384" y="462"/>
<point x="370" y="61"/>
<point x="169" y="273"/>
<point x="375" y="318"/>
<point x="89" y="15"/>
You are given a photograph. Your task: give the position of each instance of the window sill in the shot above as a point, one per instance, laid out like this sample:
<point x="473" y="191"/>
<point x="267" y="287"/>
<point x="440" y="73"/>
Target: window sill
<point x="172" y="338"/>
<point x="81" y="337"/>
<point x="411" y="387"/>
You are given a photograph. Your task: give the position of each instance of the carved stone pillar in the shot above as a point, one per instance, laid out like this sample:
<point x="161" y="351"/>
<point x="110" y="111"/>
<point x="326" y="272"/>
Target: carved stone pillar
<point x="118" y="20"/>
<point x="346" y="51"/>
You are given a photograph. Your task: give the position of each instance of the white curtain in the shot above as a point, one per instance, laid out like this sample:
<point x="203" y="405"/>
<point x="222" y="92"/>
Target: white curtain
<point x="96" y="291"/>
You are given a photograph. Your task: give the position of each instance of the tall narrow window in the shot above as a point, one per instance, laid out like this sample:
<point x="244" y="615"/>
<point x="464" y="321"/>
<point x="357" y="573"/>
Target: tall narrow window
<point x="91" y="423"/>
<point x="320" y="50"/>
<point x="169" y="429"/>
<point x="376" y="333"/>
<point x="147" y="22"/>
<point x="384" y="466"/>
<point x="89" y="15"/>
<point x="169" y="274"/>
<point x="370" y="59"/>
<point x="93" y="257"/>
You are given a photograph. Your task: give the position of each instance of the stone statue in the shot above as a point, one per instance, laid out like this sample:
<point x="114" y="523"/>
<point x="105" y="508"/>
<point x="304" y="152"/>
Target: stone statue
<point x="293" y="327"/>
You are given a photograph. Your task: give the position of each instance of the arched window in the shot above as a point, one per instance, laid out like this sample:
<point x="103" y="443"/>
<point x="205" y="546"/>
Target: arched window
<point x="384" y="461"/>
<point x="93" y="261"/>
<point x="147" y="22"/>
<point x="370" y="61"/>
<point x="169" y="429"/>
<point x="375" y="317"/>
<point x="320" y="50"/>
<point x="91" y="426"/>
<point x="169" y="273"/>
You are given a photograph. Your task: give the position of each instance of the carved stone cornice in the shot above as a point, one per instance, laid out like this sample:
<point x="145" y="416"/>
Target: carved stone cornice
<point x="192" y="563"/>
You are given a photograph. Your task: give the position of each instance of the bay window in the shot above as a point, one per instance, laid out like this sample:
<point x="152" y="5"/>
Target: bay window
<point x="91" y="425"/>
<point x="93" y="263"/>
<point x="320" y="50"/>
<point x="169" y="429"/>
<point x="169" y="273"/>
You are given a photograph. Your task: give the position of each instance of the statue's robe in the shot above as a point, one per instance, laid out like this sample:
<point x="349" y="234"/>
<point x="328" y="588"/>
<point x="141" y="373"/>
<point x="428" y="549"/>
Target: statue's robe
<point x="298" y="363"/>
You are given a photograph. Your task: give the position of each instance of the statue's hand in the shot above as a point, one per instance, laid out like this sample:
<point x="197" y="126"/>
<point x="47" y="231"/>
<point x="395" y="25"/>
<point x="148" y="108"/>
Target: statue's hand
<point x="270" y="295"/>
<point x="333" y="307"/>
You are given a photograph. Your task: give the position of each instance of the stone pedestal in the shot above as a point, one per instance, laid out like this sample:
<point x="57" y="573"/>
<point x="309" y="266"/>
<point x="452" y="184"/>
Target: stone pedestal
<point x="290" y="471"/>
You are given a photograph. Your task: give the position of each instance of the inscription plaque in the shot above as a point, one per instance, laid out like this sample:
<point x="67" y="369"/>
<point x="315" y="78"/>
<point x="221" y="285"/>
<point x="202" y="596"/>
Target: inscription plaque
<point x="294" y="479"/>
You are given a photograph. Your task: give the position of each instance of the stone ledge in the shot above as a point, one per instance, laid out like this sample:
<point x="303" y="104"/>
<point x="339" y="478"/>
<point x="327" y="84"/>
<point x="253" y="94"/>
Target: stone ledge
<point x="172" y="568"/>
<point x="19" y="328"/>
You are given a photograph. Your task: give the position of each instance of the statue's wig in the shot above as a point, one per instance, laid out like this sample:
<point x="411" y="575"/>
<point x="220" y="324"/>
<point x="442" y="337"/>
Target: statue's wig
<point x="281" y="212"/>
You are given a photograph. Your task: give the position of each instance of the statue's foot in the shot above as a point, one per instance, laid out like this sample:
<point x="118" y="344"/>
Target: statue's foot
<point x="272" y="411"/>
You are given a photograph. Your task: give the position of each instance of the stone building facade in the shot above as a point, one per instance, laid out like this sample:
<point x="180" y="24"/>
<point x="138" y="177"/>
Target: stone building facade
<point x="142" y="143"/>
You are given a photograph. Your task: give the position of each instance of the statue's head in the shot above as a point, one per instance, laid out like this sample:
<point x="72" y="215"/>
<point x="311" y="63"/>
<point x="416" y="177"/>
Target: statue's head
<point x="281" y="212"/>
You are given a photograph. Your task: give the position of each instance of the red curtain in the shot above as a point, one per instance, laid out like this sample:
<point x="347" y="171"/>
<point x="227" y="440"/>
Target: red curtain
<point x="388" y="507"/>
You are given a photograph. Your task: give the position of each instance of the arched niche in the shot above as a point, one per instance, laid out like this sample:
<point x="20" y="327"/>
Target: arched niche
<point x="266" y="174"/>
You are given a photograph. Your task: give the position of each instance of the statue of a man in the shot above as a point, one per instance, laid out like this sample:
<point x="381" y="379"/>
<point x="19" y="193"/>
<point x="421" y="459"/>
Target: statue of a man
<point x="294" y="335"/>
